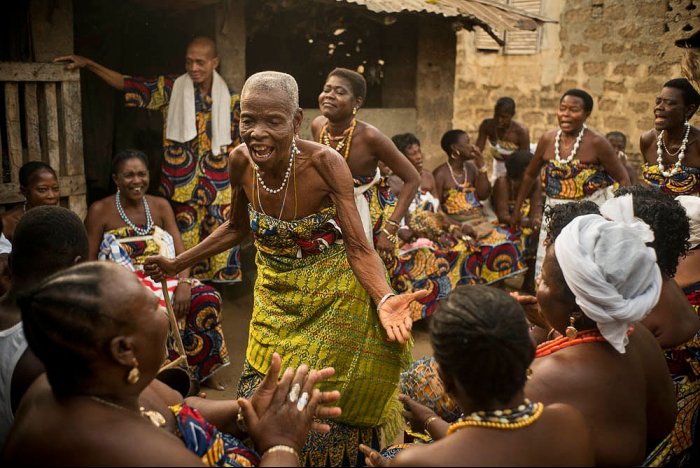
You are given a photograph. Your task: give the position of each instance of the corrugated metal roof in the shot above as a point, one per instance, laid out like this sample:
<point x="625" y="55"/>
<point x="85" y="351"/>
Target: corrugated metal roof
<point x="494" y="14"/>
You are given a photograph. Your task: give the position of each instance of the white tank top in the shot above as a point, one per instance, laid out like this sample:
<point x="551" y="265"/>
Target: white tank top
<point x="12" y="346"/>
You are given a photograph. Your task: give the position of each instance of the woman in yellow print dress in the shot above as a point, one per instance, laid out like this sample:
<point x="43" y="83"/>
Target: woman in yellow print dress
<point x="321" y="295"/>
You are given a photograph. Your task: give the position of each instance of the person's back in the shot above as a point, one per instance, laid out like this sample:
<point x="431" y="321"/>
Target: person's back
<point x="627" y="399"/>
<point x="559" y="438"/>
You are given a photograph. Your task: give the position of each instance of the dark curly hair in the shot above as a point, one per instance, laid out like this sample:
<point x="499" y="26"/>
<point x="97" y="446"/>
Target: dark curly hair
<point x="404" y="140"/>
<point x="480" y="338"/>
<point x="667" y="218"/>
<point x="558" y="216"/>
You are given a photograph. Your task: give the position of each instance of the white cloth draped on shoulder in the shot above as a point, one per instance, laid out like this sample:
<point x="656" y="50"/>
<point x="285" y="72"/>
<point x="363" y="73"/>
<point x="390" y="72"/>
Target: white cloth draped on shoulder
<point x="182" y="121"/>
<point x="363" y="206"/>
<point x="609" y="268"/>
<point x="691" y="203"/>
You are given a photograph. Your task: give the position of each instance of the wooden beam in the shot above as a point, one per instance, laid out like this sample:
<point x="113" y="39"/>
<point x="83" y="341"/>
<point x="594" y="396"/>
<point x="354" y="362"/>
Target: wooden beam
<point x="52" y="141"/>
<point x="14" y="135"/>
<point x="21" y="71"/>
<point x="72" y="128"/>
<point x="31" y="122"/>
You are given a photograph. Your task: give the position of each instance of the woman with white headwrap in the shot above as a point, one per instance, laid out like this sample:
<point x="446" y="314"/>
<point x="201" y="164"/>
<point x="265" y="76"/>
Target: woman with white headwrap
<point x="599" y="279"/>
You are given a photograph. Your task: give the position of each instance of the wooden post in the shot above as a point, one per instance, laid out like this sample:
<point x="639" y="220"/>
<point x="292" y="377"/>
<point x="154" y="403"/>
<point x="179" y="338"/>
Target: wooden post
<point x="73" y="138"/>
<point x="14" y="135"/>
<point x="52" y="143"/>
<point x="31" y="120"/>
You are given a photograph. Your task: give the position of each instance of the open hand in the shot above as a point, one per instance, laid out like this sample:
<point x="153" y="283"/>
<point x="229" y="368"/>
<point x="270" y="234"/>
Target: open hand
<point x="262" y="398"/>
<point x="72" y="61"/>
<point x="396" y="317"/>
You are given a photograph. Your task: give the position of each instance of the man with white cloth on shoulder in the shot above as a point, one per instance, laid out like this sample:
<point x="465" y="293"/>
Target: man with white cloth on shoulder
<point x="599" y="279"/>
<point x="201" y="127"/>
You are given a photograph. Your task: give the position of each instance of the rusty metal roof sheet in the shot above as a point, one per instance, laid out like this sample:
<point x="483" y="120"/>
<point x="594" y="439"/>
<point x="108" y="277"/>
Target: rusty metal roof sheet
<point x="496" y="15"/>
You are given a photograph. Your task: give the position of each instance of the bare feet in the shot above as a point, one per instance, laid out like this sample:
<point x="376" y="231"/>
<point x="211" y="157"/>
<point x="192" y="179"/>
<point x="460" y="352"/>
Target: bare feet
<point x="213" y="382"/>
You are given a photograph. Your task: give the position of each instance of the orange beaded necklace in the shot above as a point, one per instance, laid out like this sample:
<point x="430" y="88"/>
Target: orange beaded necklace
<point x="588" y="336"/>
<point x="344" y="140"/>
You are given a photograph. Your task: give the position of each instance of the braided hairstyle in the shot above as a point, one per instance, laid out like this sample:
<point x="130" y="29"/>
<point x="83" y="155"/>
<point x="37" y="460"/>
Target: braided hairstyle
<point x="46" y="240"/>
<point x="66" y="325"/>
<point x="669" y="221"/>
<point x="480" y="338"/>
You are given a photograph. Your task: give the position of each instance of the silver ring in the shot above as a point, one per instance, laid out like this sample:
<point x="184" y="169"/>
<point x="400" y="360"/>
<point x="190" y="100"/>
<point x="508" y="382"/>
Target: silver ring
<point x="301" y="404"/>
<point x="294" y="393"/>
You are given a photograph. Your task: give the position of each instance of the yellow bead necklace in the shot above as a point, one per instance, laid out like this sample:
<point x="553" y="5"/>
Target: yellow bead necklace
<point x="508" y="419"/>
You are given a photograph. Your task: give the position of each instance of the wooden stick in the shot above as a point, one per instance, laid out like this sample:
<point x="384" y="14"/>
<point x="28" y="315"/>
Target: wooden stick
<point x="173" y="322"/>
<point x="174" y="363"/>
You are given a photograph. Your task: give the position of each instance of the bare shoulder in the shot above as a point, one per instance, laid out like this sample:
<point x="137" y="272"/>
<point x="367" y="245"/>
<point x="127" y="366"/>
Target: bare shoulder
<point x="440" y="169"/>
<point x="521" y="127"/>
<point x="370" y="132"/>
<point x="485" y="124"/>
<point x="100" y="206"/>
<point x="318" y="122"/>
<point x="647" y="139"/>
<point x="325" y="159"/>
<point x="599" y="140"/>
<point x="421" y="455"/>
<point x="159" y="202"/>
<point x="548" y="136"/>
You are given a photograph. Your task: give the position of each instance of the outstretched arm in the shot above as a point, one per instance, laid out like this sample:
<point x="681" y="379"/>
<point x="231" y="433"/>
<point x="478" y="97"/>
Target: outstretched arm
<point x="111" y="77"/>
<point x="231" y="233"/>
<point x="394" y="313"/>
<point x="531" y="174"/>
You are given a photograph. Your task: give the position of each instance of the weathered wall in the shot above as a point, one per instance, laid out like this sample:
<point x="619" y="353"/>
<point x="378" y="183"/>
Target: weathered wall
<point x="52" y="29"/>
<point x="435" y="85"/>
<point x="230" y="42"/>
<point x="619" y="53"/>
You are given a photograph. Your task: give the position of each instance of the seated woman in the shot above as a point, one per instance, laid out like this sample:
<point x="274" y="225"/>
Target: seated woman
<point x="39" y="185"/>
<point x="598" y="279"/>
<point x="428" y="256"/>
<point x="128" y="227"/>
<point x="461" y="183"/>
<point x="505" y="191"/>
<point x="480" y="339"/>
<point x="101" y="335"/>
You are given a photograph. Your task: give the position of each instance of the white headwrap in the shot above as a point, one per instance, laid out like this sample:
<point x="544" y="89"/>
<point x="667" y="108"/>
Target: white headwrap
<point x="610" y="270"/>
<point x="692" y="211"/>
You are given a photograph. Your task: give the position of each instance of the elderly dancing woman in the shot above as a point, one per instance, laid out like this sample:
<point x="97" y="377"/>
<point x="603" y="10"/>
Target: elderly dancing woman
<point x="129" y="226"/>
<point x="321" y="295"/>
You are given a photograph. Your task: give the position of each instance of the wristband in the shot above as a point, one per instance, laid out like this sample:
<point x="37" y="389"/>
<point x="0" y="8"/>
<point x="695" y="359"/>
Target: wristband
<point x="393" y="223"/>
<point x="392" y="237"/>
<point x="428" y="421"/>
<point x="384" y="299"/>
<point x="185" y="280"/>
<point x="281" y="448"/>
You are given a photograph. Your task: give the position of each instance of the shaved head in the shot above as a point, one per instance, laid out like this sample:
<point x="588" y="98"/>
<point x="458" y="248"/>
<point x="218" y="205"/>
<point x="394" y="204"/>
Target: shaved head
<point x="203" y="42"/>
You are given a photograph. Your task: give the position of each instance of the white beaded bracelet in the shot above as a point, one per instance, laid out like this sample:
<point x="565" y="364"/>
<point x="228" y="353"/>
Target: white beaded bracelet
<point x="384" y="299"/>
<point x="281" y="448"/>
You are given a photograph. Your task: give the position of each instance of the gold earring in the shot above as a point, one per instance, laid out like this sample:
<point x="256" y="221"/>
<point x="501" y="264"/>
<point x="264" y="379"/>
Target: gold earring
<point x="134" y="373"/>
<point x="354" y="111"/>
<point x="528" y="373"/>
<point x="571" y="332"/>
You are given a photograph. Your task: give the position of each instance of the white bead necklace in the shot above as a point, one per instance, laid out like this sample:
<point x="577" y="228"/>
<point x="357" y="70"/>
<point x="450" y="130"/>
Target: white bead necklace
<point x="125" y="218"/>
<point x="452" y="173"/>
<point x="574" y="150"/>
<point x="661" y="147"/>
<point x="293" y="154"/>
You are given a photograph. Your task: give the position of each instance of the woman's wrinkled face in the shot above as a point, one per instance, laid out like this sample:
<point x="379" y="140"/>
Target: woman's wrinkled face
<point x="132" y="178"/>
<point x="337" y="100"/>
<point x="669" y="109"/>
<point x="42" y="189"/>
<point x="571" y="114"/>
<point x="268" y="125"/>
